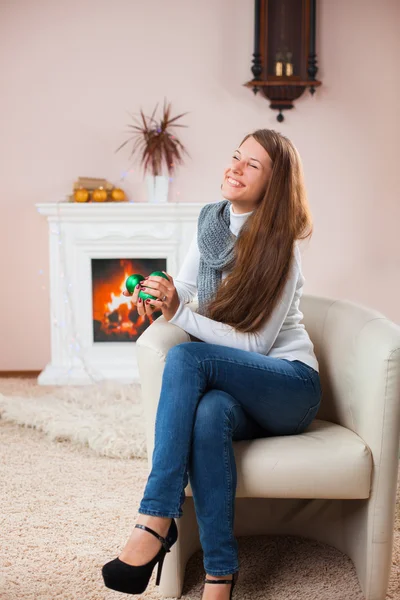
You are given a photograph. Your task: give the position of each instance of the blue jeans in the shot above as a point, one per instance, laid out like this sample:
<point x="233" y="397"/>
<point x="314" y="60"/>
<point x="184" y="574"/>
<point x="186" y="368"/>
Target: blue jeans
<point x="210" y="396"/>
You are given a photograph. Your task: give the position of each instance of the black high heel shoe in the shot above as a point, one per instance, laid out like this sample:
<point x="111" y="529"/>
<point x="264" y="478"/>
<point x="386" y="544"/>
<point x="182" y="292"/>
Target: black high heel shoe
<point x="232" y="581"/>
<point x="121" y="577"/>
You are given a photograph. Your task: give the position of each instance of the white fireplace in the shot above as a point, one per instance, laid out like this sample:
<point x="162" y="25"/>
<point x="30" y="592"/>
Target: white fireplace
<point x="80" y="234"/>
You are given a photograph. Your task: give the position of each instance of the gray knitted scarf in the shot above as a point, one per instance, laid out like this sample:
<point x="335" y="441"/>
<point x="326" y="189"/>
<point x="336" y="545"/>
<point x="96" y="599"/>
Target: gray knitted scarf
<point x="216" y="244"/>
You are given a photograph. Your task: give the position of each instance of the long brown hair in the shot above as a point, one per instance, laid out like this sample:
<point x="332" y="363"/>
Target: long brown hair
<point x="264" y="249"/>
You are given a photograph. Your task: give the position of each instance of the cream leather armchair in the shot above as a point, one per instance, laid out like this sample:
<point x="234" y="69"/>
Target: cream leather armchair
<point x="336" y="482"/>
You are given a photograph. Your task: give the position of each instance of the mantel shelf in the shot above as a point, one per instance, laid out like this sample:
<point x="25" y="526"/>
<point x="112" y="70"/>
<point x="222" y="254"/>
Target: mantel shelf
<point x="131" y="211"/>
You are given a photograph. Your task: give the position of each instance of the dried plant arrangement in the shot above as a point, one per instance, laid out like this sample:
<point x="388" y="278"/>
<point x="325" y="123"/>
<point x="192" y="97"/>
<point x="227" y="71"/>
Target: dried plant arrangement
<point x="156" y="143"/>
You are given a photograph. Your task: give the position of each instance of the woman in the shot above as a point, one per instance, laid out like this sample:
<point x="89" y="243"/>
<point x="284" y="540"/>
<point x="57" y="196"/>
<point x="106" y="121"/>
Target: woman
<point x="251" y="374"/>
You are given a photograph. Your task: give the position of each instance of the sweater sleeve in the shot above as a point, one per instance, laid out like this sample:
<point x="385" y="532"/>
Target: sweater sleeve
<point x="214" y="332"/>
<point x="186" y="280"/>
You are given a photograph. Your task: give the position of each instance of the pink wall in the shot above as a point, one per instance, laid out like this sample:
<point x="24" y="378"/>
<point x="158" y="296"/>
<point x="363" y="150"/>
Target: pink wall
<point x="71" y="71"/>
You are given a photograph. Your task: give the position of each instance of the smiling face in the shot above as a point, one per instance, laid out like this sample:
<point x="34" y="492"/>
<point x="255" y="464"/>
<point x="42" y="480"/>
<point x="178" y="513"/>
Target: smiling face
<point x="246" y="178"/>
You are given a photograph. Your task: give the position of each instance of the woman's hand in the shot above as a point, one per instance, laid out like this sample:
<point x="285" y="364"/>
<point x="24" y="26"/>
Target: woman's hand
<point x="159" y="287"/>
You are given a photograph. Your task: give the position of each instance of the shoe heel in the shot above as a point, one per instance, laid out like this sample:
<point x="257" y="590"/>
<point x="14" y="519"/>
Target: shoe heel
<point x="234" y="580"/>
<point x="159" y="570"/>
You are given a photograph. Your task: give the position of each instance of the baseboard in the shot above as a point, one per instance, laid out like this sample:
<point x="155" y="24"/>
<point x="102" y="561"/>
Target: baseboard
<point x="27" y="374"/>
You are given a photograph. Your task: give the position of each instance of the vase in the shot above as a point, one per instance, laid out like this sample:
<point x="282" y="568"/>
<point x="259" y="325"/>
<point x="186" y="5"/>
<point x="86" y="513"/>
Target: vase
<point x="157" y="188"/>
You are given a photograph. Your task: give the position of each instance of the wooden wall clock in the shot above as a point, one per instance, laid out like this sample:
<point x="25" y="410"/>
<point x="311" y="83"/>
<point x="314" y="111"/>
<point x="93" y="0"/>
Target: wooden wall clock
<point x="284" y="59"/>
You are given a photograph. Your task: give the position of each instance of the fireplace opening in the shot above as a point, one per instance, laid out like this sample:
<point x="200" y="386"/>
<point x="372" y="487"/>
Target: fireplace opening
<point x="115" y="318"/>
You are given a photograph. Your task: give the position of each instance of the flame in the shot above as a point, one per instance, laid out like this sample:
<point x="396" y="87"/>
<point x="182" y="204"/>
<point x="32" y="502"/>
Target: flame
<point x="117" y="301"/>
<point x="115" y="312"/>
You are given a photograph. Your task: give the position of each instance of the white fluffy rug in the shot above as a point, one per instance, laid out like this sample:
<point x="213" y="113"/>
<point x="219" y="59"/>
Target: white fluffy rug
<point x="106" y="417"/>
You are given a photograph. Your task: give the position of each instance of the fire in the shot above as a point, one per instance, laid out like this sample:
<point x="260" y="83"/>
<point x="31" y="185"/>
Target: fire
<point x="117" y="301"/>
<point x="115" y="317"/>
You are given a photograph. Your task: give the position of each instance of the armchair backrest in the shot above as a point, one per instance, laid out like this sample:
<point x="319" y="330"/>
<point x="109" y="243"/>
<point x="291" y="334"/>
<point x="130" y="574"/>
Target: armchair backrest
<point x="358" y="350"/>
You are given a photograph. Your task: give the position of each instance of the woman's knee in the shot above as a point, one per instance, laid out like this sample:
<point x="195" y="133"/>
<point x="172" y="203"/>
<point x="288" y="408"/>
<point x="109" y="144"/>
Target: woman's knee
<point x="213" y="409"/>
<point x="181" y="351"/>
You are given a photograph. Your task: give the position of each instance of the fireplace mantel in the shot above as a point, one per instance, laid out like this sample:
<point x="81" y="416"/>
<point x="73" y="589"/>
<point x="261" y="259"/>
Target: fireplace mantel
<point x="80" y="232"/>
<point x="104" y="211"/>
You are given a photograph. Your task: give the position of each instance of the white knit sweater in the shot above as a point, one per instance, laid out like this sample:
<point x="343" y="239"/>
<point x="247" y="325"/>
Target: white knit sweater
<point x="282" y="336"/>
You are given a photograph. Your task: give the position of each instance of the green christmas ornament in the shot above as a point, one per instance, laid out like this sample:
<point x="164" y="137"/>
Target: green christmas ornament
<point x="132" y="282"/>
<point x="145" y="295"/>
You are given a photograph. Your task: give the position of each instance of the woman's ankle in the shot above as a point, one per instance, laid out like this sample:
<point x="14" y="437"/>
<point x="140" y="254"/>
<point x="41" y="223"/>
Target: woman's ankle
<point x="159" y="524"/>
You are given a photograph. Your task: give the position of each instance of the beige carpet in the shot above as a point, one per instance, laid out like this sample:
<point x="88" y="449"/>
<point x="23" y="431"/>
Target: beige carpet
<point x="65" y="511"/>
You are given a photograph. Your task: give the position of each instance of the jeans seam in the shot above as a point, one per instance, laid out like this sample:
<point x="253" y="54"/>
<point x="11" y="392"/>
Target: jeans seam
<point x="182" y="478"/>
<point x="237" y="362"/>
<point x="187" y="457"/>
<point x="157" y="513"/>
<point x="227" y="430"/>
<point x="230" y="412"/>
<point x="222" y="571"/>
<point x="228" y="470"/>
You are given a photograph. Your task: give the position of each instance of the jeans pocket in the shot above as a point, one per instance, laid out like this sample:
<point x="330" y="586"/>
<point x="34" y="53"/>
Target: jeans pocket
<point x="308" y="417"/>
<point x="314" y="378"/>
<point x="304" y="371"/>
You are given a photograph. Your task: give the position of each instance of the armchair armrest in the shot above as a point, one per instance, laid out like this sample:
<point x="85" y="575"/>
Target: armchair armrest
<point x="151" y="351"/>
